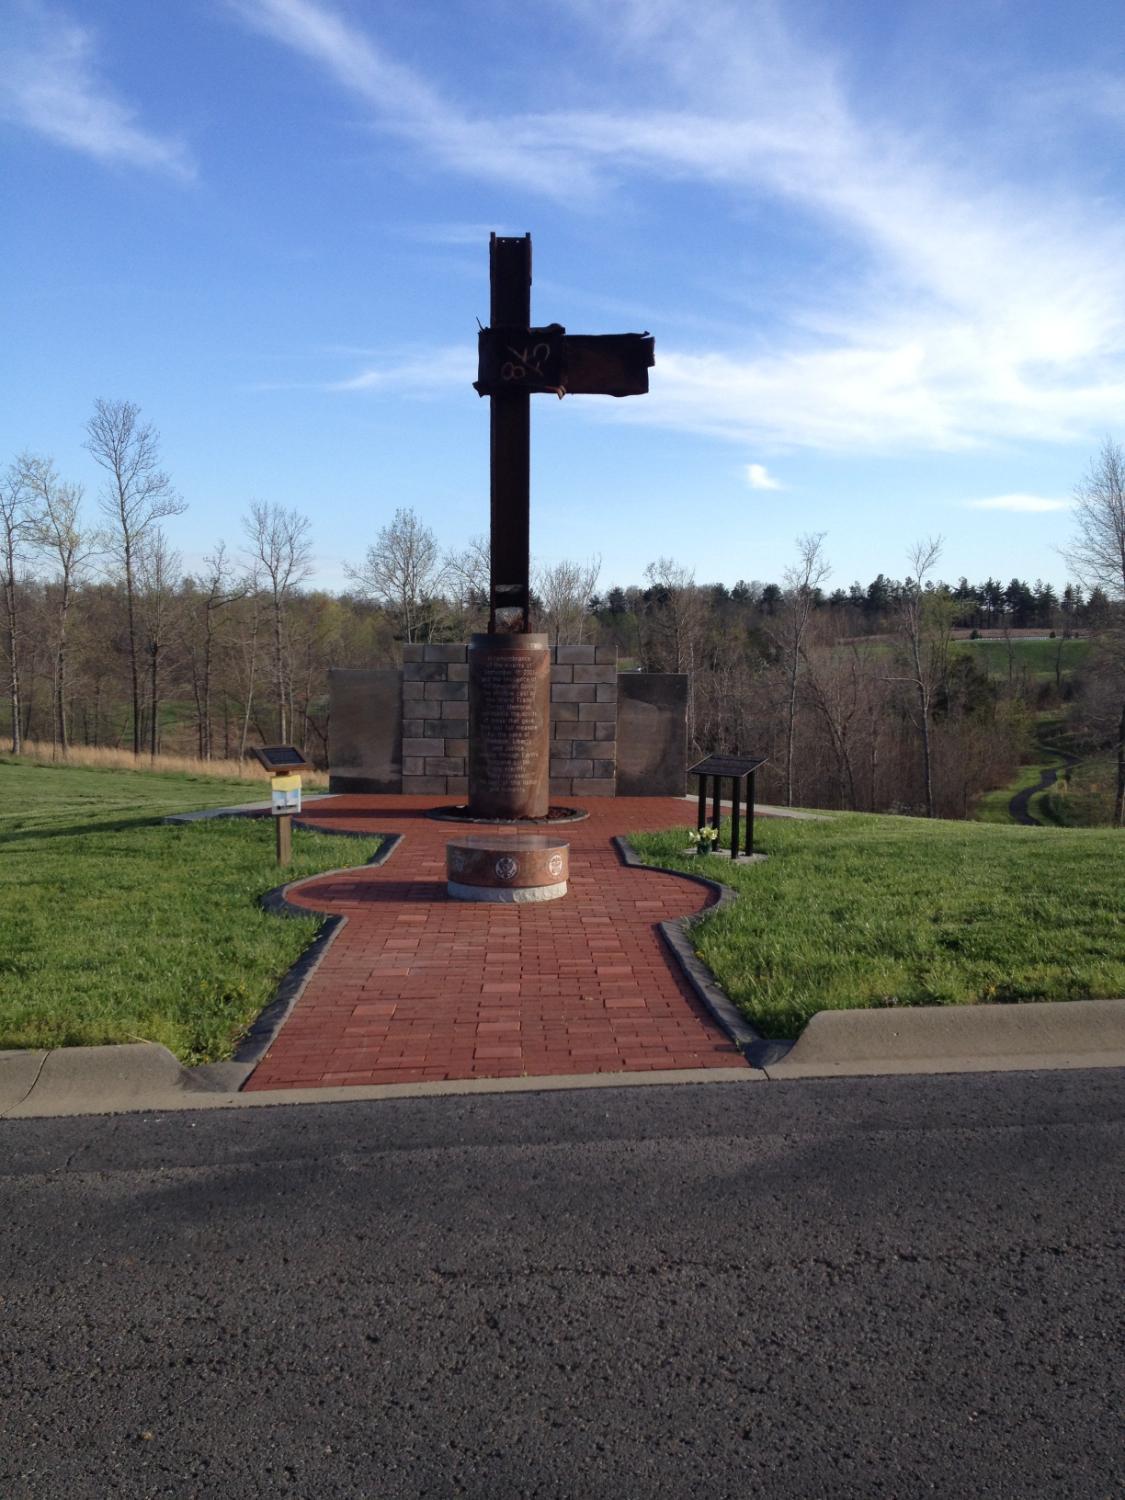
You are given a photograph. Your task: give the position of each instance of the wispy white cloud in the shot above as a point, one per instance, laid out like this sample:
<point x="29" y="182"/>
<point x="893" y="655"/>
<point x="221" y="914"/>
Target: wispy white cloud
<point x="942" y="390"/>
<point x="454" y="236"/>
<point x="50" y="83"/>
<point x="396" y="374"/>
<point x="1027" y="504"/>
<point x="758" y="477"/>
<point x="985" y="310"/>
<point x="414" y="375"/>
<point x="404" y="104"/>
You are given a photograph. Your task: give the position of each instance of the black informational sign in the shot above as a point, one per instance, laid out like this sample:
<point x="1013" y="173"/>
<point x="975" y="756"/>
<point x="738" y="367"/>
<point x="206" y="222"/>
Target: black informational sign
<point x="281" y="760"/>
<point x="727" y="765"/>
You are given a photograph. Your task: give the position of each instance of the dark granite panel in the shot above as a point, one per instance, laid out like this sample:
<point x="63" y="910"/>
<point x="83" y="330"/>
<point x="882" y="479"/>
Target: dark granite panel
<point x="652" y="734"/>
<point x="365" y="729"/>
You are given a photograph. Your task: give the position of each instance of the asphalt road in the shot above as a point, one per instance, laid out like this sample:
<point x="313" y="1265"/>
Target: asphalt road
<point x="846" y="1288"/>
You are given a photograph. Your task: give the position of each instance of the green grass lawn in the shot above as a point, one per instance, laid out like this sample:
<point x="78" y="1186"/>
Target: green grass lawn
<point x="116" y="926"/>
<point x="859" y="910"/>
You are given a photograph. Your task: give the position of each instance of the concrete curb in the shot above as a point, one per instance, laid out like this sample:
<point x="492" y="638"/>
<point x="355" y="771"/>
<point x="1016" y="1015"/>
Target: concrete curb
<point x="142" y="1076"/>
<point x="836" y="1044"/>
<point x="958" y="1039"/>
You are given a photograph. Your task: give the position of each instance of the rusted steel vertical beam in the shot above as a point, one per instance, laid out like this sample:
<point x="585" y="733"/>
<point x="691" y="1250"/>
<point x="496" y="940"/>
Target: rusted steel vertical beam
<point x="510" y="280"/>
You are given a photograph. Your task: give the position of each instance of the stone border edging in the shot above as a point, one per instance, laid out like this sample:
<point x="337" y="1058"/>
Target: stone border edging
<point x="759" y="1051"/>
<point x="272" y="1017"/>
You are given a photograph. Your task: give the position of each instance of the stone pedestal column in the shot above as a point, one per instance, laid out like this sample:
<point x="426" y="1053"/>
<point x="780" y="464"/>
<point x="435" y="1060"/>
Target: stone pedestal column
<point x="509" y="726"/>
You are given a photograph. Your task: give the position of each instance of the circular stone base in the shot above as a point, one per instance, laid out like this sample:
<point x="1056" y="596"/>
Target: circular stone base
<point x="518" y="867"/>
<point x="461" y="814"/>
<point x="517" y="895"/>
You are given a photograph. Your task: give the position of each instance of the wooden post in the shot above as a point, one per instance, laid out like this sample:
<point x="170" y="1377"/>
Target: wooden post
<point x="750" y="814"/>
<point x="284" y="823"/>
<point x="716" y="801"/>
<point x="702" y="801"/>
<point x="734" y="817"/>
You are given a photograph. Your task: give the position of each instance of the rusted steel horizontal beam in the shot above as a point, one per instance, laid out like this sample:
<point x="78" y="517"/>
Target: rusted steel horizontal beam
<point x="548" y="360"/>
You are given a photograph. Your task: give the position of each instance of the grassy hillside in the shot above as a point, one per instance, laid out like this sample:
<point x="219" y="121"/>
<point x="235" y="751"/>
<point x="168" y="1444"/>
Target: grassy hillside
<point x="116" y="926"/>
<point x="1083" y="799"/>
<point x="857" y="910"/>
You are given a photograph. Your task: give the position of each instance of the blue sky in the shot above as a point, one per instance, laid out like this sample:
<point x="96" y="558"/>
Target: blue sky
<point x="880" y="245"/>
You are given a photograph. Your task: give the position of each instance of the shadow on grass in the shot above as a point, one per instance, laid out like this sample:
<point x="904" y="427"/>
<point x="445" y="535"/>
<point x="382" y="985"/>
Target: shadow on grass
<point x="117" y="825"/>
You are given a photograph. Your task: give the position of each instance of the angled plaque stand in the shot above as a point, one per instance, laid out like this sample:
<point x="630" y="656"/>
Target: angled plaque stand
<point x="740" y="769"/>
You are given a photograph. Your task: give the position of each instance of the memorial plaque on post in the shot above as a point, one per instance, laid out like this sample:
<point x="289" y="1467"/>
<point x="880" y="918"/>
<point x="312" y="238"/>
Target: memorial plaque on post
<point x="284" y="763"/>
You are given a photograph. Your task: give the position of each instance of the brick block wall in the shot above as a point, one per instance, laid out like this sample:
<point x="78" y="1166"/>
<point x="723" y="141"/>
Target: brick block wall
<point x="435" y="713"/>
<point x="583" y="721"/>
<point x="435" y="720"/>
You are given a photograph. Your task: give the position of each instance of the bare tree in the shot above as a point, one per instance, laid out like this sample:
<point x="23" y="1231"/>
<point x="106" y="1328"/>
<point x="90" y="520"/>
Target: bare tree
<point x="840" y="683"/>
<point x="925" y="622"/>
<point x="56" y="528"/>
<point x="465" y="577"/>
<point x="676" y="617"/>
<point x="402" y="571"/>
<point x="14" y="528"/>
<point x="788" y="628"/>
<point x="157" y="575"/>
<point x="137" y="494"/>
<point x="218" y="588"/>
<point x="565" y="592"/>
<point x="1097" y="555"/>
<point x="248" y="648"/>
<point x="281" y="553"/>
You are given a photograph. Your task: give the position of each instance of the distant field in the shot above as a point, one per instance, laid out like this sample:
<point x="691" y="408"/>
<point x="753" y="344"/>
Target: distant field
<point x="249" y="777"/>
<point x="1036" y="659"/>
<point x="117" y="927"/>
<point x="860" y="910"/>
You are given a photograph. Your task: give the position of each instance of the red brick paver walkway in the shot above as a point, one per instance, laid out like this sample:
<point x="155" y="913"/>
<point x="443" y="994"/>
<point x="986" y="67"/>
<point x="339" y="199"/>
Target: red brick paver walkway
<point x="418" y="987"/>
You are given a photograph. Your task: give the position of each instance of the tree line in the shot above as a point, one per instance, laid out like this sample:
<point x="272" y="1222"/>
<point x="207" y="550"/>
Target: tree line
<point x="857" y="696"/>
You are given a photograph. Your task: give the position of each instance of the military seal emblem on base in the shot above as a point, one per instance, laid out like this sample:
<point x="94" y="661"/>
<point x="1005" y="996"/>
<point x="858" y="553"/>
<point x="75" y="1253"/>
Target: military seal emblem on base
<point x="513" y="868"/>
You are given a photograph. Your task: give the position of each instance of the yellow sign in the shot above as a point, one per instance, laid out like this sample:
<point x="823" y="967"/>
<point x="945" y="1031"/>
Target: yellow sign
<point x="285" y="794"/>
